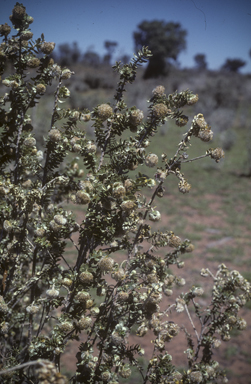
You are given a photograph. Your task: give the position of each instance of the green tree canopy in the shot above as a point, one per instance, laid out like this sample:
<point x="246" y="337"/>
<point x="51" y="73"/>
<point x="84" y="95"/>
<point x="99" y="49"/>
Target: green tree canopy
<point x="165" y="40"/>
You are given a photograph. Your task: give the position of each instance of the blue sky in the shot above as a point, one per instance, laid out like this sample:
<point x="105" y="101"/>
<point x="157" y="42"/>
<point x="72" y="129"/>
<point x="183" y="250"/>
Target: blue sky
<point x="219" y="29"/>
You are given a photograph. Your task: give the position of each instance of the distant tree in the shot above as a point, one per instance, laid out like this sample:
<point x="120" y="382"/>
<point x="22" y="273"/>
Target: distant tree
<point x="75" y="53"/>
<point x="200" y="61"/>
<point x="68" y="53"/>
<point x="91" y="58"/>
<point x="233" y="65"/>
<point x="110" y="47"/>
<point x="165" y="40"/>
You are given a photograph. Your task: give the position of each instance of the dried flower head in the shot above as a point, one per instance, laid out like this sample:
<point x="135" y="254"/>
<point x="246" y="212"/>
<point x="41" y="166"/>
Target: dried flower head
<point x="26" y="35"/>
<point x="118" y="190"/>
<point x="104" y="111"/>
<point x="86" y="277"/>
<point x="84" y="322"/>
<point x="159" y="90"/>
<point x="106" y="264"/>
<point x="127" y="205"/>
<point x="118" y="275"/>
<point x="85" y="117"/>
<point x="125" y="372"/>
<point x="155" y="216"/>
<point x="67" y="282"/>
<point x="117" y="339"/>
<point x="3" y="306"/>
<point x="5" y="29"/>
<point x="32" y="309"/>
<point x="160" y="110"/>
<point x="83" y="296"/>
<point x="217" y="154"/>
<point x="189" y="248"/>
<point x="18" y="12"/>
<point x="122" y="296"/>
<point x="29" y="142"/>
<point x="52" y="293"/>
<point x="66" y="327"/>
<point x="174" y="241"/>
<point x="136" y="117"/>
<point x="91" y="147"/>
<point x="66" y="74"/>
<point x="192" y="99"/>
<point x="151" y="160"/>
<point x="199" y="122"/>
<point x="47" y="47"/>
<point x="47" y="373"/>
<point x="181" y="121"/>
<point x="205" y="134"/>
<point x="41" y="88"/>
<point x="82" y="197"/>
<point x="184" y="186"/>
<point x="60" y="219"/>
<point x="196" y="377"/>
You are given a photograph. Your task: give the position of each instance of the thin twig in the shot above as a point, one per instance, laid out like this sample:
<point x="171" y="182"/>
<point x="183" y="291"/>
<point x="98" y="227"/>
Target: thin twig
<point x="29" y="363"/>
<point x="195" y="158"/>
<point x="191" y="321"/>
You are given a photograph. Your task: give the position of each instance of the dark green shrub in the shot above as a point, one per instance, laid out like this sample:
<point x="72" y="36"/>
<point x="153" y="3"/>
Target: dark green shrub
<point x="47" y="300"/>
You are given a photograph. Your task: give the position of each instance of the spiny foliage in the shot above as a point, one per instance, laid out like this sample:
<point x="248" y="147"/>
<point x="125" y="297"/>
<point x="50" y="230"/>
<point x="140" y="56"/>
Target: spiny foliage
<point x="45" y="301"/>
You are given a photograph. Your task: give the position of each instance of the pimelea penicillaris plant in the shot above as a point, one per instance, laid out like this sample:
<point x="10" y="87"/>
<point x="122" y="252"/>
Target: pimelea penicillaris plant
<point x="45" y="302"/>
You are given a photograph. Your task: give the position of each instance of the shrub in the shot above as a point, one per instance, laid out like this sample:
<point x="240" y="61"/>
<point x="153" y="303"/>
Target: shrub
<point x="46" y="300"/>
